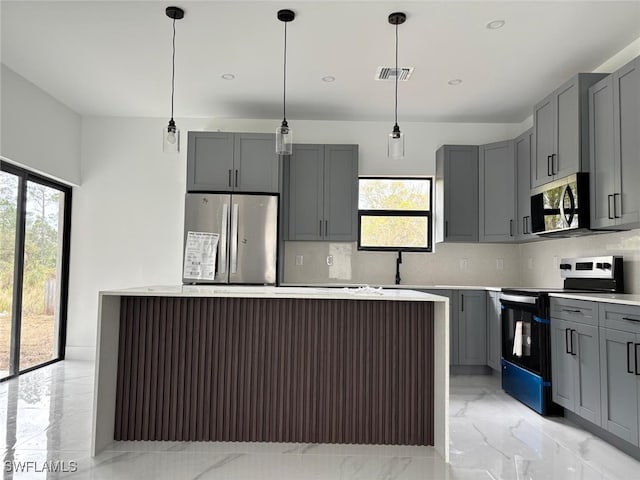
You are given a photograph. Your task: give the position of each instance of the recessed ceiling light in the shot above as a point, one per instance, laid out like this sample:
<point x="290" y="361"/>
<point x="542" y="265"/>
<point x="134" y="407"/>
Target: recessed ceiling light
<point x="329" y="79"/>
<point x="455" y="81"/>
<point x="227" y="76"/>
<point x="495" y="24"/>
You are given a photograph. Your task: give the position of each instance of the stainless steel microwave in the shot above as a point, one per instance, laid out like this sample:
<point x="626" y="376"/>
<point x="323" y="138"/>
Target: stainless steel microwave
<point x="562" y="206"/>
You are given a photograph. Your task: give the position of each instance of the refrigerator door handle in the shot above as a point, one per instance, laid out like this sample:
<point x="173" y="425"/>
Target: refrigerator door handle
<point x="223" y="238"/>
<point x="233" y="248"/>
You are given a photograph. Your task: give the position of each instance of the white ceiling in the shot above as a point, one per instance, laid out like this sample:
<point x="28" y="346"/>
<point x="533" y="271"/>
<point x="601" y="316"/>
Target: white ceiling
<point x="114" y="58"/>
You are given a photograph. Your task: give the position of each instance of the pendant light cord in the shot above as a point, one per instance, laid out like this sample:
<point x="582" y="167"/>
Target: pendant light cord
<point x="396" y="105"/>
<point x="284" y="76"/>
<point x="173" y="66"/>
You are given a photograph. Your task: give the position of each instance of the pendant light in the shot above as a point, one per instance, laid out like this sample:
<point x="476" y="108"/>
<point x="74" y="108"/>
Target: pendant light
<point x="395" y="148"/>
<point x="171" y="134"/>
<point x="284" y="135"/>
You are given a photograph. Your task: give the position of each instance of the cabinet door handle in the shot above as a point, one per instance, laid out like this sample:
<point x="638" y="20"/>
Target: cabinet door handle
<point x="630" y="319"/>
<point x="628" y="357"/>
<point x="320" y="228"/>
<point x="609" y="198"/>
<point x="571" y="338"/>
<point x="553" y="164"/>
<point x="549" y="172"/>
<point x="571" y="311"/>
<point x="446" y="228"/>
<point x="229" y="177"/>
<point x="635" y="358"/>
<point x="566" y="340"/>
<point x="511" y="228"/>
<point x="236" y="178"/>
<point x="326" y="228"/>
<point x="462" y="302"/>
<point x="615" y="205"/>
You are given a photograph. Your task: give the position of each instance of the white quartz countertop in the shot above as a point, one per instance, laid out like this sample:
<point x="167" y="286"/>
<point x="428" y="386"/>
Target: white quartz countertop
<point x="620" y="298"/>
<point x="352" y="293"/>
<point x="408" y="286"/>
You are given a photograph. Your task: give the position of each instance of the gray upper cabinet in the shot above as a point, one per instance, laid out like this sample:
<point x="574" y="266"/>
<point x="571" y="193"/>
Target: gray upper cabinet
<point x="561" y="131"/>
<point x="575" y="357"/>
<point x="543" y="125"/>
<point x="497" y="172"/>
<point x="456" y="203"/>
<point x="341" y="193"/>
<point x="494" y="334"/>
<point x="523" y="145"/>
<point x="210" y="161"/>
<point x="614" y="141"/>
<point x="228" y="162"/>
<point x="323" y="193"/>
<point x="472" y="327"/>
<point x="306" y="192"/>
<point x="601" y="148"/>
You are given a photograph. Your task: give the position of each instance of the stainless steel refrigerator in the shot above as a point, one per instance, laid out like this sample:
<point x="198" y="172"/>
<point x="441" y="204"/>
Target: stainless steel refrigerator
<point x="230" y="238"/>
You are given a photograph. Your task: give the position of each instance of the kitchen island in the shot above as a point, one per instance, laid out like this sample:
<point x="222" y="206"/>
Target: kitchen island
<point x="272" y="364"/>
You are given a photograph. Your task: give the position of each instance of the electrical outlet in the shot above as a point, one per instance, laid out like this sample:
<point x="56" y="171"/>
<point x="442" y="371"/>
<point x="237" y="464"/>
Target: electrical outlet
<point x="499" y="264"/>
<point x="299" y="259"/>
<point x="464" y="264"/>
<point x="330" y="260"/>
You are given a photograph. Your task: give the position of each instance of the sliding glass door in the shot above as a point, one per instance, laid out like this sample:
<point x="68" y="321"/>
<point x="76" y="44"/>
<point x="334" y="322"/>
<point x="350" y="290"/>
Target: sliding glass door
<point x="34" y="223"/>
<point x="8" y="221"/>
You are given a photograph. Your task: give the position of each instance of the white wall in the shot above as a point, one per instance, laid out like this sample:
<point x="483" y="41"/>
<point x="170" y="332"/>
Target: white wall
<point x="128" y="213"/>
<point x="37" y="131"/>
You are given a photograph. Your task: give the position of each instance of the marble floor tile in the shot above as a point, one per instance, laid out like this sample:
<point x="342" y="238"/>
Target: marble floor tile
<point x="45" y="424"/>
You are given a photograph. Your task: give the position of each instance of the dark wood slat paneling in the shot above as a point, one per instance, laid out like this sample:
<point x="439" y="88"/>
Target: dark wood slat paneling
<point x="291" y="370"/>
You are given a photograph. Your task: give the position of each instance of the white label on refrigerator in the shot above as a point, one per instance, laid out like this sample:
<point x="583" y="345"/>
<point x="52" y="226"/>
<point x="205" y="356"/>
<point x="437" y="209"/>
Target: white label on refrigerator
<point x="200" y="255"/>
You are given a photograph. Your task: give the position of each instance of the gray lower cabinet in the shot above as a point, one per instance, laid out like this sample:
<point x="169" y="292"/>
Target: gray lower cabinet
<point x="614" y="144"/>
<point x="575" y="357"/>
<point x="232" y="162"/>
<point x="456" y="202"/>
<point x="494" y="333"/>
<point x="323" y="192"/>
<point x="561" y="130"/>
<point x="497" y="172"/>
<point x="467" y="326"/>
<point x="619" y="367"/>
<point x="452" y="295"/>
<point x="472" y="327"/>
<point x="523" y="145"/>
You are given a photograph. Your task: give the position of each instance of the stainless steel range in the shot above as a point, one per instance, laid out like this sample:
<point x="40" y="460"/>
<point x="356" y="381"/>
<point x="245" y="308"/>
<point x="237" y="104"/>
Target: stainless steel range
<point x="526" y="338"/>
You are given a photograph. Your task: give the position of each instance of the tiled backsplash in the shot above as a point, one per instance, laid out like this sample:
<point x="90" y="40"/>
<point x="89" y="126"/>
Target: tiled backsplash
<point x="531" y="264"/>
<point x="451" y="264"/>
<point x="538" y="260"/>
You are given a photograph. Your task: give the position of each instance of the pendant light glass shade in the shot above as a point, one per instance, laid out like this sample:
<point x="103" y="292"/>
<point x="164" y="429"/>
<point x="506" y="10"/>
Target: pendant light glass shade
<point x="284" y="134"/>
<point x="284" y="139"/>
<point x="171" y="138"/>
<point x="171" y="133"/>
<point x="395" y="147"/>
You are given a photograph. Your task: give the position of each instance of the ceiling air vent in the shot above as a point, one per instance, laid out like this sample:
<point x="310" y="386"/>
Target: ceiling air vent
<point x="389" y="73"/>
